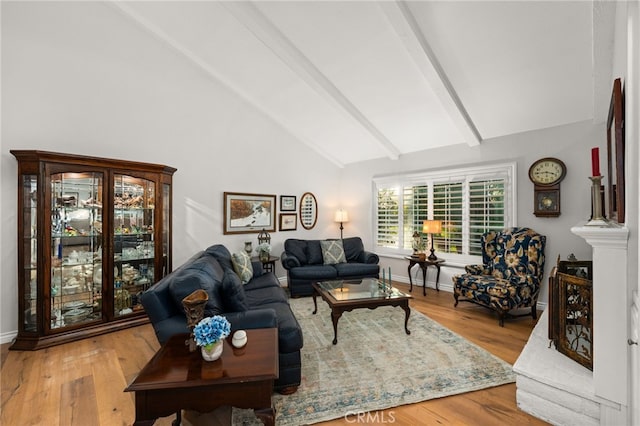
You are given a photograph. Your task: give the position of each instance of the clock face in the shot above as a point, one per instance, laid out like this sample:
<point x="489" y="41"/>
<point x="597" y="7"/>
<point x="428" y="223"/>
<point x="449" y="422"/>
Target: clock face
<point x="547" y="171"/>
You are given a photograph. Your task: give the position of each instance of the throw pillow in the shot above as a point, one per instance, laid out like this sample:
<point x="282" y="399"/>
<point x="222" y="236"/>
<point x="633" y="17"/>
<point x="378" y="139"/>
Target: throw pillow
<point x="242" y="265"/>
<point x="332" y="252"/>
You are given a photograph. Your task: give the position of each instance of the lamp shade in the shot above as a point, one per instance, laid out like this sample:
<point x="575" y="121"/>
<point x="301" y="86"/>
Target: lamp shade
<point x="341" y="216"/>
<point x="432" y="226"/>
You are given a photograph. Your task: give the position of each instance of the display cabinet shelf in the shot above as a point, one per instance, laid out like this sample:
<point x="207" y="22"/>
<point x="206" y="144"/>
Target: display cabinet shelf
<point x="93" y="233"/>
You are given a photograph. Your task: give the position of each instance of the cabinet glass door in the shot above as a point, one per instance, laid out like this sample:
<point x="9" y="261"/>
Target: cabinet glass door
<point x="76" y="248"/>
<point x="30" y="243"/>
<point x="134" y="246"/>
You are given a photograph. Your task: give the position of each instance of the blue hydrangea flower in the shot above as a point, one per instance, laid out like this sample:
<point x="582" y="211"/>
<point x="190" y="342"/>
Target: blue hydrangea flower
<point x="211" y="329"/>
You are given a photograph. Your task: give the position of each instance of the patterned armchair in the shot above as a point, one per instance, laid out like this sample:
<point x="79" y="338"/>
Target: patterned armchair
<point x="511" y="273"/>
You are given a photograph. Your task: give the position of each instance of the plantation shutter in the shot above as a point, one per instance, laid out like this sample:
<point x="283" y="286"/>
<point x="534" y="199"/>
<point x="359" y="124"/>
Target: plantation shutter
<point x="415" y="211"/>
<point x="486" y="210"/>
<point x="448" y="207"/>
<point x="388" y="222"/>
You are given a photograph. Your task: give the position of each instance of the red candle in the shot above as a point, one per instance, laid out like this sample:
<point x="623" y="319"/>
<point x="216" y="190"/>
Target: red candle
<point x="595" y="161"/>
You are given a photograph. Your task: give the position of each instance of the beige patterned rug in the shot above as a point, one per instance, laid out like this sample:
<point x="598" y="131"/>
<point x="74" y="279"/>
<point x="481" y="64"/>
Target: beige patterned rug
<point x="375" y="365"/>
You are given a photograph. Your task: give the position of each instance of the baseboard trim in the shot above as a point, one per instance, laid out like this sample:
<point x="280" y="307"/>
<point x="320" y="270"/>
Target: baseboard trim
<point x="8" y="337"/>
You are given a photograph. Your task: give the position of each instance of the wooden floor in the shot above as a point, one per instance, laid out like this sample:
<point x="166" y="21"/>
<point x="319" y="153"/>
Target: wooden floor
<point x="82" y="383"/>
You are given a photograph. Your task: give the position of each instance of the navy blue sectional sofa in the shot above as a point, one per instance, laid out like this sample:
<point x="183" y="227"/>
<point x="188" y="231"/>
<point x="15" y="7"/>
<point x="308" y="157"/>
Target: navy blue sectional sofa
<point x="260" y="303"/>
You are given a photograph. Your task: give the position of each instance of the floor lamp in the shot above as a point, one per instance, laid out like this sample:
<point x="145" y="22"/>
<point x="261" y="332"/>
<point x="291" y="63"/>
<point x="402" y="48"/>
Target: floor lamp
<point x="432" y="227"/>
<point x="342" y="217"/>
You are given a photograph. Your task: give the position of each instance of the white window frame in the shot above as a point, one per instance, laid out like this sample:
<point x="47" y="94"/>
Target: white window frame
<point x="466" y="174"/>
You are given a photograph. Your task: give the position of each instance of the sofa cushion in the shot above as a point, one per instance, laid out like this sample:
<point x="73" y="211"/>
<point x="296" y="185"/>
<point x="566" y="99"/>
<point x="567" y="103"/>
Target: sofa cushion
<point x="356" y="269"/>
<point x="314" y="252"/>
<point x="263" y="281"/>
<point x="332" y="252"/>
<point x="242" y="265"/>
<point x="353" y="249"/>
<point x="262" y="296"/>
<point x="207" y="265"/>
<point x="221" y="254"/>
<point x="189" y="281"/>
<point x="297" y="249"/>
<point x="233" y="296"/>
<point x="314" y="272"/>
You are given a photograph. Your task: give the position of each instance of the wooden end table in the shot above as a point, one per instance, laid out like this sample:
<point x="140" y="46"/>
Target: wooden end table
<point x="424" y="264"/>
<point x="267" y="265"/>
<point x="176" y="379"/>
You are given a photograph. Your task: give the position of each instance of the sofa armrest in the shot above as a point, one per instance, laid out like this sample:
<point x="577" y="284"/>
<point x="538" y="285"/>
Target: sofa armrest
<point x="254" y="318"/>
<point x="369" y="257"/>
<point x="158" y="305"/>
<point x="289" y="261"/>
<point x="477" y="269"/>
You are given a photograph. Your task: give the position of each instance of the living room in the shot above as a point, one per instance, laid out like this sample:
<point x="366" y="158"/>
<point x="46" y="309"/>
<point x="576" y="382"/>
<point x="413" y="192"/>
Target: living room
<point x="90" y="79"/>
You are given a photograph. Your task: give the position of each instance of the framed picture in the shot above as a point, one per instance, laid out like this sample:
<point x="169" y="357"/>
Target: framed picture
<point x="288" y="203"/>
<point x="246" y="213"/>
<point x="288" y="221"/>
<point x="615" y="153"/>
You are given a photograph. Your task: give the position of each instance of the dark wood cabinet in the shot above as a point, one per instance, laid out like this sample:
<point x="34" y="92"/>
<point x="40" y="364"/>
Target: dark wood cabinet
<point x="93" y="233"/>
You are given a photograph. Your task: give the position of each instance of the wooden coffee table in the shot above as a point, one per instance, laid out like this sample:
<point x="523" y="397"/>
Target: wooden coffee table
<point x="176" y="379"/>
<point x="344" y="296"/>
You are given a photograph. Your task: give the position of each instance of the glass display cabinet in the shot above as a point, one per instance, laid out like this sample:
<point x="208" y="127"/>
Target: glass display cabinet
<point x="93" y="234"/>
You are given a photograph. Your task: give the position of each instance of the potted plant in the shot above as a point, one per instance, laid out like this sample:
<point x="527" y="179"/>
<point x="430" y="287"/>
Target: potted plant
<point x="418" y="245"/>
<point x="264" y="250"/>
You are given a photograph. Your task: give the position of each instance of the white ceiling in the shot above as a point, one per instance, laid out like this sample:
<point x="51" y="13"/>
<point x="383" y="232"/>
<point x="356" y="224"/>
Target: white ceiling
<point x="364" y="80"/>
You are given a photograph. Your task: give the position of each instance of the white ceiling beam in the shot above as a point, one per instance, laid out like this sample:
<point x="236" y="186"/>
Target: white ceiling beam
<point x="411" y="35"/>
<point x="250" y="16"/>
<point x="194" y="59"/>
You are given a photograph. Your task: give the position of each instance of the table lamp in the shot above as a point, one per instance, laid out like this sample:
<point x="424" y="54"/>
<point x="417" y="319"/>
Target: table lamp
<point x="341" y="216"/>
<point x="432" y="227"/>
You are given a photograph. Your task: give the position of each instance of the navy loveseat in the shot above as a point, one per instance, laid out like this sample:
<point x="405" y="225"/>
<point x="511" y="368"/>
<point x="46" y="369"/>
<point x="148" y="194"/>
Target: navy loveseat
<point x="260" y="303"/>
<point x="304" y="262"/>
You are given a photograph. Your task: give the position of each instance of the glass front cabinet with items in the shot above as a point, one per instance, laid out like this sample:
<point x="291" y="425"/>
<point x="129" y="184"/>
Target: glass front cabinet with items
<point x="93" y="234"/>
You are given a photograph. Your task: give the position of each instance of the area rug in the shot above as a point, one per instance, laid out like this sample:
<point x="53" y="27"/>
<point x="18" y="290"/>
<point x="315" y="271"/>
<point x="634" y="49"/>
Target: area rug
<point x="376" y="365"/>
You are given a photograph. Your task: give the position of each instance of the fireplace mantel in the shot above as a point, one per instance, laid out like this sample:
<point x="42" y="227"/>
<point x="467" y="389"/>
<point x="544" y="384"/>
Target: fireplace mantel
<point x="559" y="390"/>
<point x="612" y="236"/>
<point x="610" y="309"/>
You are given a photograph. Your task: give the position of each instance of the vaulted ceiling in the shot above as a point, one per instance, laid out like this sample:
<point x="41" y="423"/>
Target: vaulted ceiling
<point x="362" y="80"/>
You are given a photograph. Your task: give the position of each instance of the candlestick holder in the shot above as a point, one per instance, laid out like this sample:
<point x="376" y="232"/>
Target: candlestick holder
<point x="597" y="217"/>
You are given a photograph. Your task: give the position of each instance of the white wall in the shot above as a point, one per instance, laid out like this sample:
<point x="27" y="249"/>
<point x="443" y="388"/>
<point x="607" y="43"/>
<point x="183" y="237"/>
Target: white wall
<point x="572" y="144"/>
<point x="78" y="78"/>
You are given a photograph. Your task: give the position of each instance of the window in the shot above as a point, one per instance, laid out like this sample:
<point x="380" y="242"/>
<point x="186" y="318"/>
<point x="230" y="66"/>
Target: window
<point x="469" y="201"/>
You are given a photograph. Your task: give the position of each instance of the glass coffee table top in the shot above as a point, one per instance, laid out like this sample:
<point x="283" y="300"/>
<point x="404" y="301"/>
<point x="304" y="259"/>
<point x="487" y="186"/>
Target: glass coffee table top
<point x="366" y="288"/>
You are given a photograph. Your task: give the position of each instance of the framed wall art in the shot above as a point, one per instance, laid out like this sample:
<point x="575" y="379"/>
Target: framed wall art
<point x="288" y="221"/>
<point x="288" y="203"/>
<point x="615" y="153"/>
<point x="246" y="213"/>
